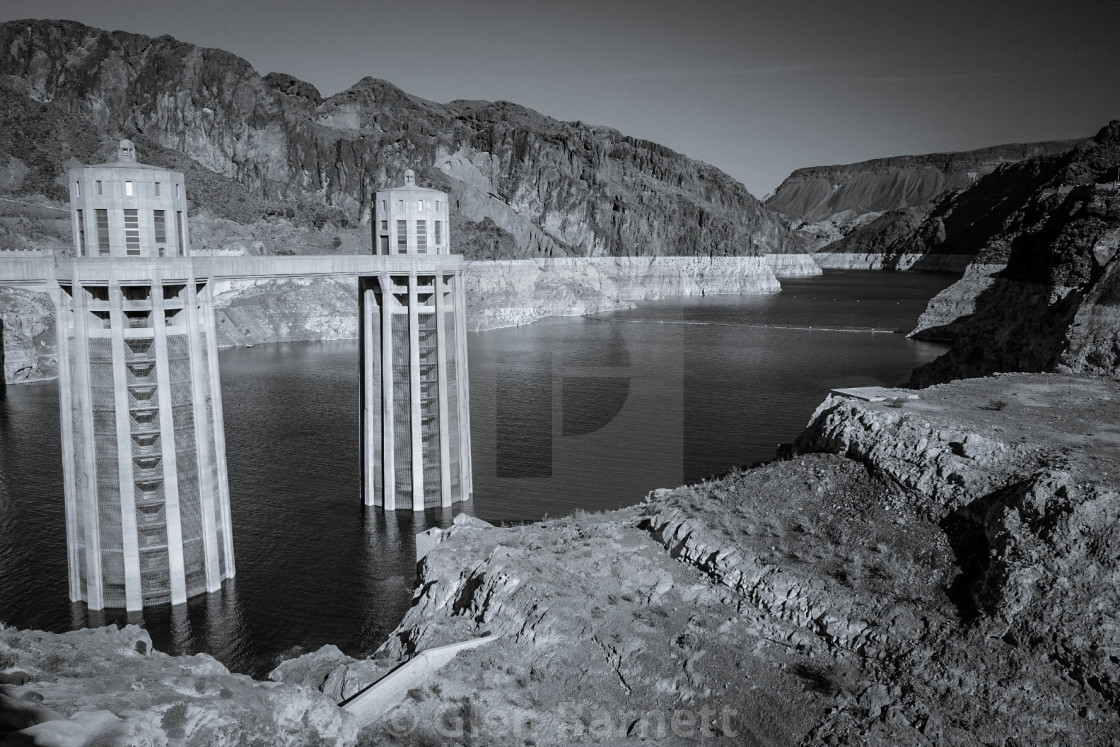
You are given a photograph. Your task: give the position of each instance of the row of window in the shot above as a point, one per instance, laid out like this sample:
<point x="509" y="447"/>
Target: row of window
<point x="129" y="188"/>
<point x="421" y="235"/>
<point x="131" y="231"/>
<point x="400" y="204"/>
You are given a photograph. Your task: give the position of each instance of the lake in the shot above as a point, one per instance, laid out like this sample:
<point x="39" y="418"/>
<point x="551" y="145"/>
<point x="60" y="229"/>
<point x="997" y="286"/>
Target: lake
<point x="566" y="414"/>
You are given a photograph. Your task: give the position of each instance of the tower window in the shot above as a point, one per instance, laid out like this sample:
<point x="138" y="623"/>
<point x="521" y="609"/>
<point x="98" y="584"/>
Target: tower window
<point x="159" y="220"/>
<point x="128" y="189"/>
<point x="176" y="189"/>
<point x="402" y="236"/>
<point x="421" y="235"/>
<point x="131" y="233"/>
<point x="78" y="189"/>
<point x="100" y="191"/>
<point x="181" y="230"/>
<point x="81" y="234"/>
<point x="421" y="206"/>
<point x="102" y="231"/>
<point x="384" y="225"/>
<point x="400" y="204"/>
<point x="439" y="233"/>
<point x="157" y="189"/>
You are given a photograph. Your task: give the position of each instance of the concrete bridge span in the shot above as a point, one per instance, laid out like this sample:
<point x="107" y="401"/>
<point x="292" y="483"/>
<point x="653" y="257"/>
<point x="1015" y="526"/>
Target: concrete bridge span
<point x="36" y="273"/>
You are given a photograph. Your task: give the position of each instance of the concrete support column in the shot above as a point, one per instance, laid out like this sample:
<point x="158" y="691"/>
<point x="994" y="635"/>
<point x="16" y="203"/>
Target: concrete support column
<point x="209" y="328"/>
<point x="388" y="443"/>
<point x="414" y="394"/>
<point x="62" y="316"/>
<point x="87" y="459"/>
<point x="463" y="380"/>
<point x="371" y="412"/>
<point x="167" y="439"/>
<point x="129" y="542"/>
<point x="200" y="384"/>
<point x="441" y="358"/>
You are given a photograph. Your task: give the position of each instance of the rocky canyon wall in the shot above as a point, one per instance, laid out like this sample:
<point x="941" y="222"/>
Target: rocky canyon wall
<point x="255" y="147"/>
<point x="954" y="263"/>
<point x="827" y="203"/>
<point x="1052" y="305"/>
<point x="28" y="336"/>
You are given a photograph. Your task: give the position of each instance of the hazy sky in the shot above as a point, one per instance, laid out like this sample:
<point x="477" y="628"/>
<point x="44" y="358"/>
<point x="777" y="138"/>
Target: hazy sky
<point x="755" y="88"/>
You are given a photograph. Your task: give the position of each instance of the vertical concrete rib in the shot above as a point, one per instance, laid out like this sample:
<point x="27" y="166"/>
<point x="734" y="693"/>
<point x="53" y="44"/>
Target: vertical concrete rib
<point x="87" y="459"/>
<point x="130" y="544"/>
<point x="200" y="375"/>
<point x="370" y="413"/>
<point x="62" y="317"/>
<point x="209" y="327"/>
<point x="389" y="480"/>
<point x="175" y="564"/>
<point x="463" y="380"/>
<point x="441" y="359"/>
<point x="414" y="394"/>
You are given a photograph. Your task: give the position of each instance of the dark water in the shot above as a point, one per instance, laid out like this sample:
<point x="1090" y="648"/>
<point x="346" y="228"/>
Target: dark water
<point x="565" y="414"/>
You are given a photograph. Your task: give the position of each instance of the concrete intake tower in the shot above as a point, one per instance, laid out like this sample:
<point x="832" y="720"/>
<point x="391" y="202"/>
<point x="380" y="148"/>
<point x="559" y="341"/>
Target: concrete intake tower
<point x="143" y="444"/>
<point x="415" y="438"/>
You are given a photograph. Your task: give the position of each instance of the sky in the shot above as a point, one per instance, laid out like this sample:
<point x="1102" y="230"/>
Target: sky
<point x="757" y="89"/>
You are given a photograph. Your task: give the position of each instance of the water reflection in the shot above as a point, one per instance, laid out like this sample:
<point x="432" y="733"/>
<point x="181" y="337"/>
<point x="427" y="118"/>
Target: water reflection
<point x="213" y="623"/>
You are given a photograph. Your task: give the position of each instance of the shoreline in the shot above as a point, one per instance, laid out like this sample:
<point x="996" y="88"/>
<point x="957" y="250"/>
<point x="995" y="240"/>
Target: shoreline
<point x="500" y="294"/>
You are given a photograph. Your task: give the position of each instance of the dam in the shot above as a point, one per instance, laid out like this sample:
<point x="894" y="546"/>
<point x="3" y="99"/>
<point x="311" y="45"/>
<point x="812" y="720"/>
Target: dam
<point x="145" y="480"/>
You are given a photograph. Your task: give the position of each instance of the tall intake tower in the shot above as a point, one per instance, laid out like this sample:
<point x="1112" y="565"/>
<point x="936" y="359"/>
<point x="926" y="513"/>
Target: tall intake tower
<point x="415" y="428"/>
<point x="144" y="463"/>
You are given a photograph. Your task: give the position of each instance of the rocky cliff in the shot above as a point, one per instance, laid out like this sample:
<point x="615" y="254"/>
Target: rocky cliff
<point x="272" y="148"/>
<point x="28" y="334"/>
<point x="920" y="573"/>
<point x="1041" y="295"/>
<point x="827" y="203"/>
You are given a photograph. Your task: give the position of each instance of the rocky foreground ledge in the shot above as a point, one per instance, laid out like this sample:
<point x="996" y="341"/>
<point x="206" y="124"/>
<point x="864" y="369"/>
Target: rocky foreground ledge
<point x="938" y="570"/>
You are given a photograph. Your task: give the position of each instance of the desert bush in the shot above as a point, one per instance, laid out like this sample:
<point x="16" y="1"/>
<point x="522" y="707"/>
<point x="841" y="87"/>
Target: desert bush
<point x="819" y="678"/>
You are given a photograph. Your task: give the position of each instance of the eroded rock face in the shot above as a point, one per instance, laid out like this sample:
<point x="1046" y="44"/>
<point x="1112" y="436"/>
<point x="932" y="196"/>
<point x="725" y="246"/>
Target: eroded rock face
<point x="957" y="302"/>
<point x="511" y="293"/>
<point x="1014" y="469"/>
<point x="1052" y="306"/>
<point x="146" y="697"/>
<point x="294" y="310"/>
<point x="558" y="188"/>
<point x="948" y="263"/>
<point x="30" y="348"/>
